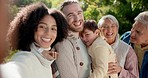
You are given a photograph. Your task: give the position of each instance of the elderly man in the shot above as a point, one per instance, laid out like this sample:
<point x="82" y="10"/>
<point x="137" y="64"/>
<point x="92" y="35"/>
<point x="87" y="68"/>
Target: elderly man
<point x="139" y="36"/>
<point x="139" y="40"/>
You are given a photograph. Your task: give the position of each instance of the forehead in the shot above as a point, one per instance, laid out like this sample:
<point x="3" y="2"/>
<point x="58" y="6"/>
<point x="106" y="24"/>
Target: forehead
<point x="108" y="21"/>
<point x="138" y="25"/>
<point x="48" y="19"/>
<point x="73" y="7"/>
<point x="87" y="31"/>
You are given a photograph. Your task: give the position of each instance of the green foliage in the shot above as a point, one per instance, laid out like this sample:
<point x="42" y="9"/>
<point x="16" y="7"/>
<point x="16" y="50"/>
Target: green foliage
<point x="13" y="10"/>
<point x="124" y="10"/>
<point x="91" y="13"/>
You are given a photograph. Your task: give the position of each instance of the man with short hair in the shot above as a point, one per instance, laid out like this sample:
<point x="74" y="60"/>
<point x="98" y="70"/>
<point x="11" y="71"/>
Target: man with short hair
<point x="73" y="60"/>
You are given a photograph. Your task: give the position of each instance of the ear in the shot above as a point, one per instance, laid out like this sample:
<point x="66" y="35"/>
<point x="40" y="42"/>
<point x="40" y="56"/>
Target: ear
<point x="97" y="31"/>
<point x="101" y="33"/>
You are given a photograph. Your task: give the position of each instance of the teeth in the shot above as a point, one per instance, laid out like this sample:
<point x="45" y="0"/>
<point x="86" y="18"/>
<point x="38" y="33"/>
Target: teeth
<point x="46" y="39"/>
<point x="109" y="33"/>
<point x="78" y="23"/>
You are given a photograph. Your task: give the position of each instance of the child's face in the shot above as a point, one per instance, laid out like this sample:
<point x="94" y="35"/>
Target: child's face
<point x="88" y="36"/>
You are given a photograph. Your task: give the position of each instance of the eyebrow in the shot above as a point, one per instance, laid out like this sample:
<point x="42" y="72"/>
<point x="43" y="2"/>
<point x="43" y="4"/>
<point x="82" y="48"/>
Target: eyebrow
<point x="46" y="24"/>
<point x="72" y="13"/>
<point x="42" y="23"/>
<point x="69" y="14"/>
<point x="80" y="11"/>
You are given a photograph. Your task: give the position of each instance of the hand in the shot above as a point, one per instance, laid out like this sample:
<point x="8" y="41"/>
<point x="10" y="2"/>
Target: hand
<point x="50" y="55"/>
<point x="114" y="68"/>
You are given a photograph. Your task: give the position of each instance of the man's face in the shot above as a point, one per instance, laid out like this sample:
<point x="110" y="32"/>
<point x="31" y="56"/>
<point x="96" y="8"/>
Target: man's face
<point x="74" y="15"/>
<point x="139" y="34"/>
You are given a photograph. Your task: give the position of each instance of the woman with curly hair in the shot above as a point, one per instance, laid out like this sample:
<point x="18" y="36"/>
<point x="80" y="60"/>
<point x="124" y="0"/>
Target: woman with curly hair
<point x="34" y="32"/>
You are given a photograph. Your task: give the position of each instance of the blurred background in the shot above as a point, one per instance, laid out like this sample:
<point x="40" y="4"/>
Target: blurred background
<point x="124" y="10"/>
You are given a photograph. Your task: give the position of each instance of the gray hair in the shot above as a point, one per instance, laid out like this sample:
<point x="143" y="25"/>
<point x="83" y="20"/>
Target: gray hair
<point x="110" y="17"/>
<point x="143" y="18"/>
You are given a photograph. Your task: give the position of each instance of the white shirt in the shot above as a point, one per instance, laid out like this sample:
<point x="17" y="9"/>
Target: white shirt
<point x="26" y="64"/>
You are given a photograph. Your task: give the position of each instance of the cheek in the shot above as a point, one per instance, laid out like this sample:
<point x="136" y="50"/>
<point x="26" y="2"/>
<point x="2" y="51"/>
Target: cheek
<point x="69" y="20"/>
<point x="81" y="16"/>
<point x="54" y="35"/>
<point x="104" y="31"/>
<point x="36" y="35"/>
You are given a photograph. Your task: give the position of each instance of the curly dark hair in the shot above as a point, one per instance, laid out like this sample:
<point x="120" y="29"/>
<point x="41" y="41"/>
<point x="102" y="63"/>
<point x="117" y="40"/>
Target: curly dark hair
<point x="22" y="28"/>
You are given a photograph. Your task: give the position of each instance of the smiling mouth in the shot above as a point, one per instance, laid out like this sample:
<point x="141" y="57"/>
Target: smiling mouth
<point x="46" y="39"/>
<point x="78" y="24"/>
<point x="109" y="34"/>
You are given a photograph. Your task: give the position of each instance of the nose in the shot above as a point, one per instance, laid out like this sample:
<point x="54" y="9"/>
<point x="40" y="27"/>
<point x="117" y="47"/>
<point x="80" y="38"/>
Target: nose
<point x="83" y="39"/>
<point x="77" y="17"/>
<point x="48" y="31"/>
<point x="109" y="28"/>
<point x="132" y="33"/>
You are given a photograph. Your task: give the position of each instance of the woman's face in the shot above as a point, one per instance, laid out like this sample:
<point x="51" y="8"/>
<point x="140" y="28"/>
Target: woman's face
<point x="46" y="32"/>
<point x="110" y="30"/>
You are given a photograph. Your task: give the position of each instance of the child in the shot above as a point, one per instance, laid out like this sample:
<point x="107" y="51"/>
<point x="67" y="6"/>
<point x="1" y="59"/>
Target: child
<point x="100" y="51"/>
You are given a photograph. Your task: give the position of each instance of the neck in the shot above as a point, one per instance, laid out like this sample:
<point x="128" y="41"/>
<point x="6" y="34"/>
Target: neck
<point x="76" y="34"/>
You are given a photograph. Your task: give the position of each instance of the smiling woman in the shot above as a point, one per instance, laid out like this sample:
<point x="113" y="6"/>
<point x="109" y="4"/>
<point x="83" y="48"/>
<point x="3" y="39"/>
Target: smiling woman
<point x="33" y="32"/>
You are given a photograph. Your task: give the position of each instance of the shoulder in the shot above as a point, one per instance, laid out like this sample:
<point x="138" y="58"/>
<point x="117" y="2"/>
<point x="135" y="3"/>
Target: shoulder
<point x="64" y="42"/>
<point x="23" y="57"/>
<point x="126" y="37"/>
<point x="123" y="43"/>
<point x="100" y="43"/>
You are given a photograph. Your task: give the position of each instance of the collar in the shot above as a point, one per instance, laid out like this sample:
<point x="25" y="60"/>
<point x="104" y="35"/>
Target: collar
<point x="115" y="44"/>
<point x="38" y="52"/>
<point x="74" y="35"/>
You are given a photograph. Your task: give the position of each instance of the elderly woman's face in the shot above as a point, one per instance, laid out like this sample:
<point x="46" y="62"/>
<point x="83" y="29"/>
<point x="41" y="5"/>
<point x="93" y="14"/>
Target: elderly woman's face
<point x="109" y="30"/>
<point x="139" y="33"/>
<point x="46" y="32"/>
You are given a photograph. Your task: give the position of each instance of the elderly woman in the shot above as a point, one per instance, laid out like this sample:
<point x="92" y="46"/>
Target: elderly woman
<point x="124" y="66"/>
<point x="33" y="32"/>
<point x="139" y="36"/>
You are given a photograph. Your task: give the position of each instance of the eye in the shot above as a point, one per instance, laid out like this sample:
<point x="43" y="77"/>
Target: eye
<point x="42" y="26"/>
<point x="87" y="34"/>
<point x="138" y="32"/>
<point x="79" y="13"/>
<point x="113" y="26"/>
<point x="70" y="15"/>
<point x="105" y="26"/>
<point x="54" y="28"/>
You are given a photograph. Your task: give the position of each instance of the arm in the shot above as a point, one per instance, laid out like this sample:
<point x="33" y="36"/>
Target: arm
<point x="100" y="57"/>
<point x="130" y="69"/>
<point x="65" y="60"/>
